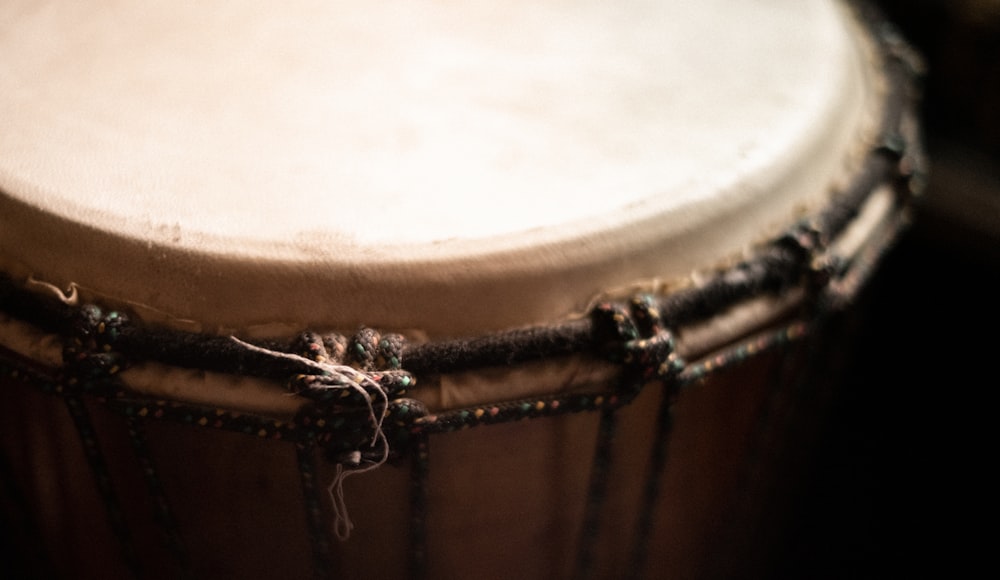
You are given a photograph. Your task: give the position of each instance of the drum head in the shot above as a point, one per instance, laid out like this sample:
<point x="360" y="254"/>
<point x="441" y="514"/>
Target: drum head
<point x="328" y="164"/>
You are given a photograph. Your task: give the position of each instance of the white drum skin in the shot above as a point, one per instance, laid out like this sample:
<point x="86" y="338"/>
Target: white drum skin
<point x="436" y="170"/>
<point x="241" y="166"/>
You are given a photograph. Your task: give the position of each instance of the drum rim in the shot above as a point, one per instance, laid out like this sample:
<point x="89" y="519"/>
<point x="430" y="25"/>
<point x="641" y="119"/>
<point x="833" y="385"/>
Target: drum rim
<point x="388" y="289"/>
<point x="796" y="255"/>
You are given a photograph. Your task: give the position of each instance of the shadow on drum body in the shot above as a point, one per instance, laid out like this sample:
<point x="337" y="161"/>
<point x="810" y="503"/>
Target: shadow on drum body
<point x="899" y="478"/>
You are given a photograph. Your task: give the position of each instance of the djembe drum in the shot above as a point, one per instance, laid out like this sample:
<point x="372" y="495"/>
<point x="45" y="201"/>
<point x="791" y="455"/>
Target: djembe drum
<point x="505" y="289"/>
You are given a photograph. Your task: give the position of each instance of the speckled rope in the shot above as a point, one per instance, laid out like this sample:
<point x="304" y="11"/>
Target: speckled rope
<point x="651" y="489"/>
<point x="162" y="513"/>
<point x="597" y="490"/>
<point x="419" y="471"/>
<point x="319" y="539"/>
<point x="102" y="479"/>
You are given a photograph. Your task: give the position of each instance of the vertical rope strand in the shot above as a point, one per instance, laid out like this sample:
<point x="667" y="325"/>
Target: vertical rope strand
<point x="596" y="494"/>
<point x="796" y="374"/>
<point x="419" y="472"/>
<point x="651" y="491"/>
<point x="162" y="513"/>
<point x="102" y="478"/>
<point x="318" y="538"/>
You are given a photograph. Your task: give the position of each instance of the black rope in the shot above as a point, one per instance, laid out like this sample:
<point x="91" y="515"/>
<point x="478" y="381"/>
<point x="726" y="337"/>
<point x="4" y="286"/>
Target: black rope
<point x="319" y="539"/>
<point x="162" y="513"/>
<point x="102" y="481"/>
<point x="651" y="489"/>
<point x="781" y="265"/>
<point x="419" y="474"/>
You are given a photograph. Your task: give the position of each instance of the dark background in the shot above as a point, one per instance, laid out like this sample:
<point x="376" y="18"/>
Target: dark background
<point x="900" y="485"/>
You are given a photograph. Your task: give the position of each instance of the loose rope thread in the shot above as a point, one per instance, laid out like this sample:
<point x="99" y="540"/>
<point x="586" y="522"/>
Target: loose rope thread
<point x="339" y="377"/>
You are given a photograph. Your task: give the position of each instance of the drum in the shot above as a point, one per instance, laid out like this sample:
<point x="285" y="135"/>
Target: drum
<point x="389" y="289"/>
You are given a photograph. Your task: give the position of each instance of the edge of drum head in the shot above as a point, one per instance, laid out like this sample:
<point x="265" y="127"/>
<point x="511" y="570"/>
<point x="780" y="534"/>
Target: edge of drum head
<point x="201" y="277"/>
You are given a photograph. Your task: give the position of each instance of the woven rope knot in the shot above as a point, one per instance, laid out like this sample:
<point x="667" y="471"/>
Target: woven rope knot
<point x="349" y="402"/>
<point x="403" y="413"/>
<point x="637" y="337"/>
<point x="363" y="349"/>
<point x="807" y="243"/>
<point x="653" y="357"/>
<point x="613" y="326"/>
<point x="89" y="355"/>
<point x="804" y="240"/>
<point x="375" y="370"/>
<point x="322" y="348"/>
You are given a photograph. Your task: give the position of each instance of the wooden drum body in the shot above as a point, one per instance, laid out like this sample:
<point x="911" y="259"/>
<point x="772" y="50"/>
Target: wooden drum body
<point x="496" y="290"/>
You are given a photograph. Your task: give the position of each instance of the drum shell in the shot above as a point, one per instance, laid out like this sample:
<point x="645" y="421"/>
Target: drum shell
<point x="502" y="500"/>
